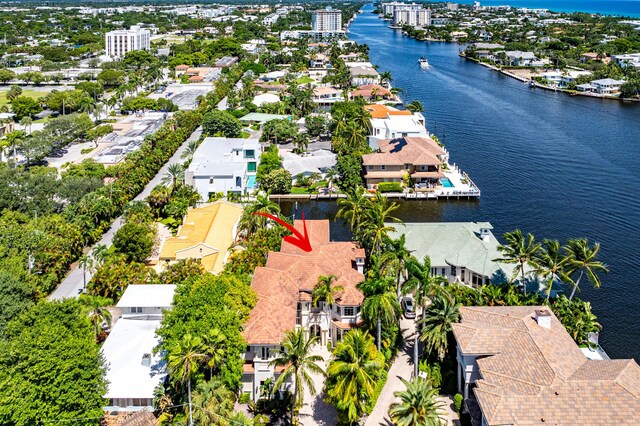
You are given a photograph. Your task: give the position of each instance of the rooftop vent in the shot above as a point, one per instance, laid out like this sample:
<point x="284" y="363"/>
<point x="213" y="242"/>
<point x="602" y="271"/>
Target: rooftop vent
<point x="146" y="360"/>
<point x="543" y="318"/>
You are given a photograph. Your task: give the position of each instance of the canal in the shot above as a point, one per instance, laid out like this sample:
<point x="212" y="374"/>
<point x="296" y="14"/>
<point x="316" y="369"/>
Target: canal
<point x="554" y="165"/>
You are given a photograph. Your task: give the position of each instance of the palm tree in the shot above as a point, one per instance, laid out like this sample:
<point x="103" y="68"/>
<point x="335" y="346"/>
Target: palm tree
<point x="161" y="399"/>
<point x="584" y="259"/>
<point x="386" y="77"/>
<point x="99" y="314"/>
<point x="352" y="208"/>
<point x="420" y="280"/>
<point x="26" y="122"/>
<point x="296" y="357"/>
<point x="380" y="305"/>
<point x="183" y="359"/>
<point x="376" y="214"/>
<point x="552" y="264"/>
<point x="518" y="250"/>
<point x="395" y="258"/>
<point x="353" y="373"/>
<point x="173" y="176"/>
<point x="251" y="222"/>
<point x="331" y="175"/>
<point x="85" y="262"/>
<point x="323" y="291"/>
<point x="212" y="403"/>
<point x="215" y="345"/>
<point x="415" y="106"/>
<point x="190" y="150"/>
<point x="436" y="325"/>
<point x="418" y="406"/>
<point x="100" y="253"/>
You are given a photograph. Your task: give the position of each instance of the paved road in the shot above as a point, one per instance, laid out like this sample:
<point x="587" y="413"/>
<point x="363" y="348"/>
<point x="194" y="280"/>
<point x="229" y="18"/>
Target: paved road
<point x="73" y="284"/>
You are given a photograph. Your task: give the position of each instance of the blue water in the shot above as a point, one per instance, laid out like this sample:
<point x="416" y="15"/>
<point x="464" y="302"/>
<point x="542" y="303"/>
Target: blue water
<point x="628" y="8"/>
<point x="446" y="183"/>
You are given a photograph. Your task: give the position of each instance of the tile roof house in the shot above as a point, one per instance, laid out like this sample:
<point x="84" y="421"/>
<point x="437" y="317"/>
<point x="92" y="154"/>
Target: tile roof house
<point x="284" y="287"/>
<point x="206" y="234"/>
<point x="525" y="369"/>
<point x="421" y="157"/>
<point x="371" y="92"/>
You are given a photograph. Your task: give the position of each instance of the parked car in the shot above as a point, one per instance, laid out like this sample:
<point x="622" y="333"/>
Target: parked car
<point x="408" y="307"/>
<point x="43" y="163"/>
<point x="56" y="154"/>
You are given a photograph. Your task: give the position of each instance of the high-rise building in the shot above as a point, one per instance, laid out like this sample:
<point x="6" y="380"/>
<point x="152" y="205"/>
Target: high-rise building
<point x="326" y="20"/>
<point x="411" y="14"/>
<point x="119" y="42"/>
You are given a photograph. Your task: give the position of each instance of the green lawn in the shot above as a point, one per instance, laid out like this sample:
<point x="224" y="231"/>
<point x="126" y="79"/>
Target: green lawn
<point x="305" y="79"/>
<point x="35" y="94"/>
<point x="299" y="190"/>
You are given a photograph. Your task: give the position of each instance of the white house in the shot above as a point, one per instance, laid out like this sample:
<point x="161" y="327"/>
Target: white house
<point x="361" y="75"/>
<point x="518" y="58"/>
<point x="628" y="60"/>
<point x="398" y="124"/>
<point x="607" y="86"/>
<point x="133" y="370"/>
<point x="226" y="165"/>
<point x="324" y="95"/>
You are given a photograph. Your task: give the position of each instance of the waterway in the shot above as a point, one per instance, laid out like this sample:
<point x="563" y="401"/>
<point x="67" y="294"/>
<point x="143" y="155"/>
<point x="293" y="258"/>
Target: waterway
<point x="557" y="166"/>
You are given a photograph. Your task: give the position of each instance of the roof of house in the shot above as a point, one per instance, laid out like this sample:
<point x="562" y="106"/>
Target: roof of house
<point x="182" y="67"/>
<point x="313" y="162"/>
<point x="196" y="78"/>
<point x="207" y="233"/>
<point x="368" y="90"/>
<point x="290" y="275"/>
<point x="532" y="375"/>
<point x="147" y="295"/>
<point x="455" y="243"/>
<point x="325" y="90"/>
<point x="363" y="71"/>
<point x="409" y="150"/>
<point x="123" y="350"/>
<point x="262" y="117"/>
<point x="383" y="111"/>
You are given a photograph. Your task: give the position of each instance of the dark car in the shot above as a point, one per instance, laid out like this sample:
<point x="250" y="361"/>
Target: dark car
<point x="408" y="307"/>
<point x="43" y="163"/>
<point x="56" y="154"/>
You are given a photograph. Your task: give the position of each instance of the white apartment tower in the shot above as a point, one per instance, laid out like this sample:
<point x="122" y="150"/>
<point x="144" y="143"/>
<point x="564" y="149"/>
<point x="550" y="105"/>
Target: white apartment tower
<point x="119" y="42"/>
<point x="326" y="20"/>
<point x="412" y="16"/>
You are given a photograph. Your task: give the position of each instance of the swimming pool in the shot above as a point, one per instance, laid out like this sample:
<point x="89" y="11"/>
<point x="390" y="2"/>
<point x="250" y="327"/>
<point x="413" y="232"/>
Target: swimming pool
<point x="251" y="181"/>
<point x="446" y="183"/>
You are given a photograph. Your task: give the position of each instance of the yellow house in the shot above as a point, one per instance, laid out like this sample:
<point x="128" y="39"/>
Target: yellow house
<point x="207" y="234"/>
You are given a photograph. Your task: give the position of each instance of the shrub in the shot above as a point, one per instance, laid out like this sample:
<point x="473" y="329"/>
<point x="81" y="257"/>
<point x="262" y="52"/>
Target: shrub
<point x="245" y="398"/>
<point x="457" y="403"/>
<point x="389" y="187"/>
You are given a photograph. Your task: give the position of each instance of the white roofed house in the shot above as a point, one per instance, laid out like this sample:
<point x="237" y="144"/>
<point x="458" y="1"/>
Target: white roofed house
<point x="361" y="75"/>
<point x="607" y="86"/>
<point x="133" y="370"/>
<point x="518" y="58"/>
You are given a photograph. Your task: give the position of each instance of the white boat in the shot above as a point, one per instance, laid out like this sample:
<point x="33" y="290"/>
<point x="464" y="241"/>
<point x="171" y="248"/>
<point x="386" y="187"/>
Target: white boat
<point x="424" y="63"/>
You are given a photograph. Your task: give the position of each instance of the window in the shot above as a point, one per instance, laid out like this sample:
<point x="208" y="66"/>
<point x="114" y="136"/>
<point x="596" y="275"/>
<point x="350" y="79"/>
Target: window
<point x="264" y="352"/>
<point x="453" y="270"/>
<point x="462" y="273"/>
<point x="249" y="153"/>
<point x="370" y="167"/>
<point x="210" y="180"/>
<point x="383" y="167"/>
<point x="348" y="311"/>
<point x="136" y="309"/>
<point x="238" y="181"/>
<point x="251" y="166"/>
<point x="443" y="271"/>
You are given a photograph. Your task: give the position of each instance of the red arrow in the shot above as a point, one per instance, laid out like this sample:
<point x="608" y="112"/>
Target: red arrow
<point x="297" y="239"/>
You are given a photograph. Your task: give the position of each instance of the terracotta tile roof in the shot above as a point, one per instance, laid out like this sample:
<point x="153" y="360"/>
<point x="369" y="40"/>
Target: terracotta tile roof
<point x="534" y="375"/>
<point x="409" y="150"/>
<point x="368" y="90"/>
<point x="290" y="275"/>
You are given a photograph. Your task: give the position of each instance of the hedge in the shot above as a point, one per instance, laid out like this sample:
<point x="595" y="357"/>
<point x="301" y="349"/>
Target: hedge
<point x="390" y="187"/>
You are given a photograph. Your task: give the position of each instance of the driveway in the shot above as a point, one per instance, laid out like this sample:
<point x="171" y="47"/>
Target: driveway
<point x="73" y="284"/>
<point x="315" y="411"/>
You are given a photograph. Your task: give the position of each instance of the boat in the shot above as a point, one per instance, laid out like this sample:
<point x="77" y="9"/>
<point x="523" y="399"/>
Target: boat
<point x="424" y="63"/>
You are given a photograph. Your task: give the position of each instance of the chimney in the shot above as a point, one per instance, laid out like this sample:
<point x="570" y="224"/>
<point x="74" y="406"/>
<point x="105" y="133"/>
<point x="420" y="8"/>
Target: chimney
<point x="360" y="264"/>
<point x="146" y="360"/>
<point x="543" y="318"/>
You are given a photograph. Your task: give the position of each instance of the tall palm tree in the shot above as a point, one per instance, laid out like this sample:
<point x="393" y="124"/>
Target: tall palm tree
<point x="324" y="291"/>
<point x="183" y="359"/>
<point x="213" y="403"/>
<point x="418" y="406"/>
<point x="215" y="349"/>
<point x="296" y="357"/>
<point x="353" y="373"/>
<point x="251" y="222"/>
<point x="386" y="77"/>
<point x="584" y="259"/>
<point x="394" y="260"/>
<point x="190" y="150"/>
<point x="98" y="314"/>
<point x="436" y="325"/>
<point x="380" y="305"/>
<point x="331" y="175"/>
<point x="100" y="253"/>
<point x="85" y="262"/>
<point x="26" y="122"/>
<point x="376" y="215"/>
<point x="352" y="208"/>
<point x="518" y="250"/>
<point x="421" y="281"/>
<point x="173" y="176"/>
<point x="415" y="106"/>
<point x="552" y="264"/>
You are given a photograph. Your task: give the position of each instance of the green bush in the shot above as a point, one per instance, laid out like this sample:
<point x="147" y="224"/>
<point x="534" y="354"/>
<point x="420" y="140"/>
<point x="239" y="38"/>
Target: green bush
<point x="457" y="403"/>
<point x="389" y="187"/>
<point x="245" y="398"/>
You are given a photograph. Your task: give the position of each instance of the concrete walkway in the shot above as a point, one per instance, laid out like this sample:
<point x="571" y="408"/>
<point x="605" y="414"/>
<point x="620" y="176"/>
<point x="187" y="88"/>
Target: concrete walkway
<point x="73" y="284"/>
<point x="316" y="412"/>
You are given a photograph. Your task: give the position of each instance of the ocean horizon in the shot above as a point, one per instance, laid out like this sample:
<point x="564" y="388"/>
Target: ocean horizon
<point x="623" y="8"/>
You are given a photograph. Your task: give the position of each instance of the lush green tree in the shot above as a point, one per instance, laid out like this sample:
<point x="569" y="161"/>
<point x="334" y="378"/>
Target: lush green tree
<point x="250" y="222"/>
<point x="418" y="406"/>
<point x="351" y="208"/>
<point x="380" y="305"/>
<point x="134" y="241"/>
<point x="182" y="360"/>
<point x="139" y="103"/>
<point x="277" y="182"/>
<point x="551" y="264"/>
<point x="279" y="131"/>
<point x="394" y="260"/>
<point x="213" y="404"/>
<point x="269" y="160"/>
<point x="51" y="370"/>
<point x="139" y="59"/>
<point x="436" y="325"/>
<point x="91" y="88"/>
<point x="111" y="77"/>
<point x="24" y="106"/>
<point x="174" y="176"/>
<point x="350" y="169"/>
<point x="15" y="297"/>
<point x="13" y="92"/>
<point x="316" y="125"/>
<point x="68" y="100"/>
<point x="264" y="240"/>
<point x="182" y="270"/>
<point x="520" y="251"/>
<point x="6" y="75"/>
<point x="352" y="375"/>
<point x="584" y="258"/>
<point x="99" y="132"/>
<point x="115" y="274"/>
<point x="377" y="213"/>
<point x="221" y="123"/>
<point x="297" y="360"/>
<point x="415" y="106"/>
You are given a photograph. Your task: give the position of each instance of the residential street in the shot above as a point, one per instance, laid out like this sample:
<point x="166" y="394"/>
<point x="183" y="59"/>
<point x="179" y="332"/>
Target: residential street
<point x="72" y="285"/>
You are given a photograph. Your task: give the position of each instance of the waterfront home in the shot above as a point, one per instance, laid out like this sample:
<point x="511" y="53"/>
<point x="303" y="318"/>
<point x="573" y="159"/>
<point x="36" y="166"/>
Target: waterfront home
<point x="518" y="58"/>
<point x="628" y="60"/>
<point x="517" y="365"/>
<point x="133" y="369"/>
<point x="607" y="86"/>
<point x="326" y="96"/>
<point x="284" y="287"/>
<point x="361" y="75"/>
<point x="226" y="165"/>
<point x="462" y="252"/>
<point x="390" y="123"/>
<point x="318" y="60"/>
<point x="316" y="162"/>
<point x="372" y="92"/>
<point x="420" y="158"/>
<point x="570" y="76"/>
<point x="207" y="234"/>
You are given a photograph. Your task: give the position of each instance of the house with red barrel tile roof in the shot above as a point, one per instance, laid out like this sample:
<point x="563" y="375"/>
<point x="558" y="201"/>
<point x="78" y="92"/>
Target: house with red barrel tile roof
<point x="284" y="287"/>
